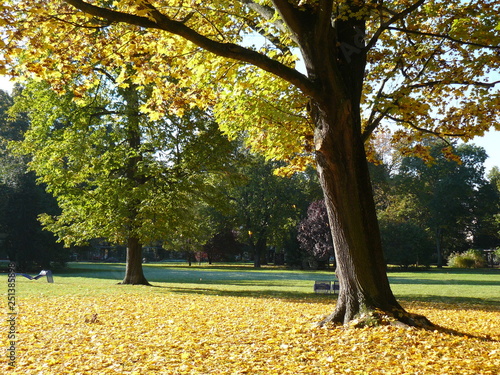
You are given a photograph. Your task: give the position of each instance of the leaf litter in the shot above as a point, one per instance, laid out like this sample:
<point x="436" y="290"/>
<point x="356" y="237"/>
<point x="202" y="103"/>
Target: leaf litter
<point x="198" y="334"/>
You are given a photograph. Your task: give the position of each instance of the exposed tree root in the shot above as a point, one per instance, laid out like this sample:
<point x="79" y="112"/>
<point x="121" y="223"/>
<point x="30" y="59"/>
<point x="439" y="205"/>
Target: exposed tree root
<point x="402" y="318"/>
<point x="376" y="317"/>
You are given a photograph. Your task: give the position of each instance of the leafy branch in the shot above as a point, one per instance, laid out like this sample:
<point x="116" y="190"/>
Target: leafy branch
<point x="158" y="20"/>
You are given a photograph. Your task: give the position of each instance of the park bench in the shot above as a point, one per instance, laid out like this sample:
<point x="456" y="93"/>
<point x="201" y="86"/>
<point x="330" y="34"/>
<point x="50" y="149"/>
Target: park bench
<point x="322" y="286"/>
<point x="46" y="273"/>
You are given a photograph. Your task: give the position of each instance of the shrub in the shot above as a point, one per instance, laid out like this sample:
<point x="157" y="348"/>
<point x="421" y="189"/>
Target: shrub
<point x="469" y="259"/>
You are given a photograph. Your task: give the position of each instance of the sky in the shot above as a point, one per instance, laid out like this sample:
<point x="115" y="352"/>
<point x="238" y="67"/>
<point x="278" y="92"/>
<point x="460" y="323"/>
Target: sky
<point x="490" y="142"/>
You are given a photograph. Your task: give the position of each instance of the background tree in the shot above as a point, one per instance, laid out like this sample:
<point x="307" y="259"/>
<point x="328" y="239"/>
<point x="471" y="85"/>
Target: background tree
<point x="314" y="233"/>
<point x="439" y="206"/>
<point x="21" y="201"/>
<point x="452" y="193"/>
<point x="223" y="246"/>
<point x="265" y="206"/>
<point x="116" y="174"/>
<point x="401" y="61"/>
<point x="494" y="178"/>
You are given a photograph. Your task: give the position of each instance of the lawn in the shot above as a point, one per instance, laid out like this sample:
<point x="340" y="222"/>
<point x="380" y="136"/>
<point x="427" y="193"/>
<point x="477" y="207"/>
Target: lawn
<point x="228" y="319"/>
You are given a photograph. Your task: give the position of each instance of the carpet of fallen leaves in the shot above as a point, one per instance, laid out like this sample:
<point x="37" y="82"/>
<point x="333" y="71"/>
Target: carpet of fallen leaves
<point x="200" y="334"/>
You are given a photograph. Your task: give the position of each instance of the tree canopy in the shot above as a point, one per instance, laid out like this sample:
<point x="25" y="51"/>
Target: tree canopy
<point x="429" y="64"/>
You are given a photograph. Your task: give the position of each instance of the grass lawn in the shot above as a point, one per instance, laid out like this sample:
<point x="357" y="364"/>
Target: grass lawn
<point x="227" y="319"/>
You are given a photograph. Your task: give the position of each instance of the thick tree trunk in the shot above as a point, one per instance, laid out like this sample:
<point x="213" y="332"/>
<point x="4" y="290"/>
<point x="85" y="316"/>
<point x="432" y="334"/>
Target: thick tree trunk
<point x="344" y="176"/>
<point x="338" y="73"/>
<point x="134" y="274"/>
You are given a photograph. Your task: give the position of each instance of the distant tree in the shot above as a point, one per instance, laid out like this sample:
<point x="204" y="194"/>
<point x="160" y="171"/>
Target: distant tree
<point x="22" y="200"/>
<point x="314" y="233"/>
<point x="494" y="177"/>
<point x="223" y="246"/>
<point x="265" y="206"/>
<point x="449" y="198"/>
<point x="405" y="243"/>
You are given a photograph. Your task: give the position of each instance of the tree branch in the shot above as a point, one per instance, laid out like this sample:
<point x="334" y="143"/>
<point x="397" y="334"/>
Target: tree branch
<point x="393" y="19"/>
<point x="268" y="13"/>
<point x="373" y="123"/>
<point x="292" y="16"/>
<point x="444" y="36"/>
<point x="423" y="130"/>
<point x="229" y="50"/>
<point x="465" y="83"/>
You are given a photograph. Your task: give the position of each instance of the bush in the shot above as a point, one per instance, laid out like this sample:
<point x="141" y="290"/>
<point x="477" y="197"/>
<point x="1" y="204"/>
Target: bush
<point x="469" y="259"/>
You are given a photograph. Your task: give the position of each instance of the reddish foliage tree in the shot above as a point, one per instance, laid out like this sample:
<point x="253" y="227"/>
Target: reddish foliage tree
<point x="314" y="233"/>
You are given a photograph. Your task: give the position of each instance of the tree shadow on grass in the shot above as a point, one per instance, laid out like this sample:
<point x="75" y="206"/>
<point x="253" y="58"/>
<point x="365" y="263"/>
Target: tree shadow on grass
<point x="324" y="298"/>
<point x="451" y="303"/>
<point x="403" y="280"/>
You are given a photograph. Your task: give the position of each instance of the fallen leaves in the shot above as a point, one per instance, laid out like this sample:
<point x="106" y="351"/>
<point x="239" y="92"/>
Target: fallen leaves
<point x="157" y="333"/>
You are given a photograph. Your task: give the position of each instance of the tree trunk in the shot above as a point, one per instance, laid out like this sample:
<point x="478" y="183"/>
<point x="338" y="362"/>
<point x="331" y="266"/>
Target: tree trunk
<point x="133" y="272"/>
<point x="344" y="176"/>
<point x="259" y="250"/>
<point x="438" y="247"/>
<point x="256" y="257"/>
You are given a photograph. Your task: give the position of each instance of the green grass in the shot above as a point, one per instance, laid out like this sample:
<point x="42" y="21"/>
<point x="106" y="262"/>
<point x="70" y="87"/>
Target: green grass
<point x="91" y="279"/>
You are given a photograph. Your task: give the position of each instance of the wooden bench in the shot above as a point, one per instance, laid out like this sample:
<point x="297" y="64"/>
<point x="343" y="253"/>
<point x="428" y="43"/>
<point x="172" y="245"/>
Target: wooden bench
<point x="326" y="286"/>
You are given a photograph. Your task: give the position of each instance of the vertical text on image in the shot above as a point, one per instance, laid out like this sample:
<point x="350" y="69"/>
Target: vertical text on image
<point x="11" y="315"/>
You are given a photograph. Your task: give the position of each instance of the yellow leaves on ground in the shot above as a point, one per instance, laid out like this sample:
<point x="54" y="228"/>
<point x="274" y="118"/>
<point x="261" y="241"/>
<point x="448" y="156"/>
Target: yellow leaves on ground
<point x="199" y="334"/>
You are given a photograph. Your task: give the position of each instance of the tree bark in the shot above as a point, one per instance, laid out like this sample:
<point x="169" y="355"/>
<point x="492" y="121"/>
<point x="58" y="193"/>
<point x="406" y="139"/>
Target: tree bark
<point x="344" y="175"/>
<point x="134" y="274"/>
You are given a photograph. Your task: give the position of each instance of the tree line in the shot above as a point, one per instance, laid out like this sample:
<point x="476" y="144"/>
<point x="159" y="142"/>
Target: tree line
<point x="210" y="195"/>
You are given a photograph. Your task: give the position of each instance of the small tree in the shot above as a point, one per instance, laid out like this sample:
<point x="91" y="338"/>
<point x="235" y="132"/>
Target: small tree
<point x="314" y="233"/>
<point x="223" y="246"/>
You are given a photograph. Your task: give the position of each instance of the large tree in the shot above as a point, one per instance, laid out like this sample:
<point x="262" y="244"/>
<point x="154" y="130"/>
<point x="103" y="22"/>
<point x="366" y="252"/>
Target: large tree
<point x="116" y="174"/>
<point x="421" y="64"/>
<point x="455" y="201"/>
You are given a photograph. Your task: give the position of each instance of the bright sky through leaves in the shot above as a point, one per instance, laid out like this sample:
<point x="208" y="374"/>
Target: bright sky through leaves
<point x="489" y="142"/>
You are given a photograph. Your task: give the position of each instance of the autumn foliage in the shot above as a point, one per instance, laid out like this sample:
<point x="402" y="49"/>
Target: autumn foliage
<point x="162" y="332"/>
